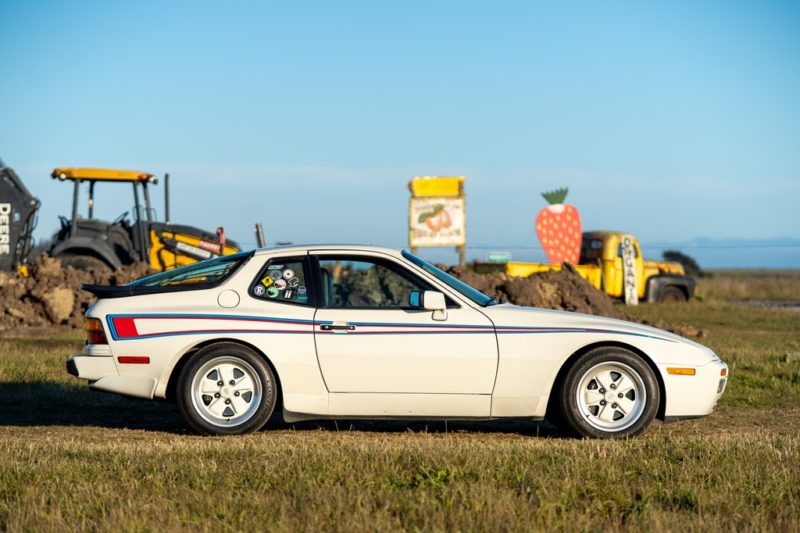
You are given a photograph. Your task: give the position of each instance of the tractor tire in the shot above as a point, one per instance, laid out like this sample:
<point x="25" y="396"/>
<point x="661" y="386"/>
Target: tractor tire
<point x="84" y="262"/>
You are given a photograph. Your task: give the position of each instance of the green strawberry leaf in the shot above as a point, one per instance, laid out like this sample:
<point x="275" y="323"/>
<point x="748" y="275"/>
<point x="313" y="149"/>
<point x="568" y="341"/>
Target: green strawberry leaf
<point x="556" y="196"/>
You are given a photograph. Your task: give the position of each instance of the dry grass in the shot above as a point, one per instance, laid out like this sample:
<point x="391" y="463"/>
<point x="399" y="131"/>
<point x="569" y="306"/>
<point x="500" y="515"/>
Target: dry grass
<point x="75" y="460"/>
<point x="749" y="285"/>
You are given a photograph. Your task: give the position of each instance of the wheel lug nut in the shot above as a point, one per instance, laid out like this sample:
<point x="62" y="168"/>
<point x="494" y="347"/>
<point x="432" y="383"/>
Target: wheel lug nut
<point x="613" y="406"/>
<point x="216" y="395"/>
<point x="619" y="395"/>
<point x="602" y="391"/>
<point x="220" y="383"/>
<point x="602" y="402"/>
<point x="232" y="382"/>
<point x="227" y="402"/>
<point x="613" y="386"/>
<point x="236" y="393"/>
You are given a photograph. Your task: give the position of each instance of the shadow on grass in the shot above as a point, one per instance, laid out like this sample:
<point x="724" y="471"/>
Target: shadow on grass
<point x="42" y="403"/>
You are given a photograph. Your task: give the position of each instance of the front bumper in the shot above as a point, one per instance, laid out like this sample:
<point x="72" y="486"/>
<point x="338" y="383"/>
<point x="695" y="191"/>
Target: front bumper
<point x="101" y="373"/>
<point x="694" y="396"/>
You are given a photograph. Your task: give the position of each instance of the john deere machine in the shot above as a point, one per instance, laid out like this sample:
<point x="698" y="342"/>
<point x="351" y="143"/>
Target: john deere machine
<point x="88" y="242"/>
<point x="18" y="209"/>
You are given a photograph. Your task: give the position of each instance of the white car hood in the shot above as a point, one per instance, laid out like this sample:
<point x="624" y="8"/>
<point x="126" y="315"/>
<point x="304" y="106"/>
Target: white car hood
<point x="514" y="315"/>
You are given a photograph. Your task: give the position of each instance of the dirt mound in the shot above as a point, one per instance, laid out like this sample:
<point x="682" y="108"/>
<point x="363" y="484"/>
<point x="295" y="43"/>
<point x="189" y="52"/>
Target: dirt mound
<point x="564" y="289"/>
<point x="51" y="294"/>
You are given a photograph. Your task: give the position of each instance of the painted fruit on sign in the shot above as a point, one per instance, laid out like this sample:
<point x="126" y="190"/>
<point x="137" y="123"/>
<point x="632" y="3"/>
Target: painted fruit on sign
<point x="559" y="229"/>
<point x="437" y="219"/>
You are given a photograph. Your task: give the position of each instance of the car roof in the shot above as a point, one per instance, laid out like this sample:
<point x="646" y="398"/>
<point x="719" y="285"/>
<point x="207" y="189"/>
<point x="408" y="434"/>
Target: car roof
<point x="329" y="247"/>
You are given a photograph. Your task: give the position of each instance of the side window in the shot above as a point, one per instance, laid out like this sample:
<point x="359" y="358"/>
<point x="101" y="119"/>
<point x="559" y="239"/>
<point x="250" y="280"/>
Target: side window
<point x="364" y="282"/>
<point x="283" y="280"/>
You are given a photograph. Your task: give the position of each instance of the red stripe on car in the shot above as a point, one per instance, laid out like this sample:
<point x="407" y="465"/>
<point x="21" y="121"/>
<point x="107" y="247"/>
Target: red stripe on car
<point x="125" y="327"/>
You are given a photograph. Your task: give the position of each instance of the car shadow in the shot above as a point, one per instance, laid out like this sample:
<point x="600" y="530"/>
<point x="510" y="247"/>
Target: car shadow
<point x="43" y="403"/>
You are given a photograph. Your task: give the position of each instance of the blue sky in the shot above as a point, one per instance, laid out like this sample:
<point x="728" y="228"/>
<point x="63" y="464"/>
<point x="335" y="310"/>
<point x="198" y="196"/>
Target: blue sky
<point x="675" y="121"/>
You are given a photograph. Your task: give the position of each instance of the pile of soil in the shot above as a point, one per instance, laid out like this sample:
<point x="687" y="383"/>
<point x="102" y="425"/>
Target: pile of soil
<point x="564" y="289"/>
<point x="51" y="294"/>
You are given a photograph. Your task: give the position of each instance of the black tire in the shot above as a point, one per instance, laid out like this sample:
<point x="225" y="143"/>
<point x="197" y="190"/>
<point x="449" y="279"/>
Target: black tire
<point x="198" y="377"/>
<point x="84" y="262"/>
<point x="671" y="294"/>
<point x="601" y="420"/>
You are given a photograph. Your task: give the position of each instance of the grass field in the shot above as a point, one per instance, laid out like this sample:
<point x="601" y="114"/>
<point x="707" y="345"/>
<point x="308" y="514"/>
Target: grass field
<point x="72" y="459"/>
<point x="750" y="285"/>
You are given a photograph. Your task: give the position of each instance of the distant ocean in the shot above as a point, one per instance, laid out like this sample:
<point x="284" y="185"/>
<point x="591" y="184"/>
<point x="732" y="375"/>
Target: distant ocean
<point x="709" y="253"/>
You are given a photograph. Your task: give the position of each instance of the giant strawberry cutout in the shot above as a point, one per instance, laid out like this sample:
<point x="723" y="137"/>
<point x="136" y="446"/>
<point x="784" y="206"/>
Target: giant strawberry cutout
<point x="559" y="229"/>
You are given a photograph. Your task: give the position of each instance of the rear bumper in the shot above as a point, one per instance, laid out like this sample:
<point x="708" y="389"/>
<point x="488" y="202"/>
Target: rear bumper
<point x="101" y="373"/>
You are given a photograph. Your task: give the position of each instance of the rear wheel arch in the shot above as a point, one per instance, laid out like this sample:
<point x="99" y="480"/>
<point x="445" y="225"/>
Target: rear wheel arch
<point x="172" y="382"/>
<point x="552" y="400"/>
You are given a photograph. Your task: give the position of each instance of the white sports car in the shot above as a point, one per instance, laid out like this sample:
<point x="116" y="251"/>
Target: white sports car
<point x="363" y="332"/>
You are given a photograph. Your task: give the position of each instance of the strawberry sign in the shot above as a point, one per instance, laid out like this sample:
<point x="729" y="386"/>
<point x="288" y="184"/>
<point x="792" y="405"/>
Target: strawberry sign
<point x="559" y="228"/>
<point x="437" y="222"/>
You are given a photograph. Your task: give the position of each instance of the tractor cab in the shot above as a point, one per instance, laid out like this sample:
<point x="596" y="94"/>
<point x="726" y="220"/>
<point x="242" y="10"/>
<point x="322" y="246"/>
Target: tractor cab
<point x="88" y="242"/>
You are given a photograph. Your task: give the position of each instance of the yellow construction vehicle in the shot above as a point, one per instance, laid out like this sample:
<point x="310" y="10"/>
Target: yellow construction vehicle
<point x="601" y="264"/>
<point x="92" y="243"/>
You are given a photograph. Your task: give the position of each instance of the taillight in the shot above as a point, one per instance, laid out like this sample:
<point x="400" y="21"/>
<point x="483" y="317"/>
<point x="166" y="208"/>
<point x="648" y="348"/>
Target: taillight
<point x="94" y="332"/>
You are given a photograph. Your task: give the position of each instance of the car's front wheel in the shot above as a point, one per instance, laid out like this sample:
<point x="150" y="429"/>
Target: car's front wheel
<point x="226" y="389"/>
<point x="608" y="393"/>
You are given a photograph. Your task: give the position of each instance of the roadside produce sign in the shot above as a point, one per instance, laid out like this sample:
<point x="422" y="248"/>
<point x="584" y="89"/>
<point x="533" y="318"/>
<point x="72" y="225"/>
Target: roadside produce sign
<point x="437" y="212"/>
<point x="559" y="229"/>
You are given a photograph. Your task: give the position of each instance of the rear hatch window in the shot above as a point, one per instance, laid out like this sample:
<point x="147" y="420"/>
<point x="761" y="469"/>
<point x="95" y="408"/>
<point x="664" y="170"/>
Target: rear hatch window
<point x="204" y="273"/>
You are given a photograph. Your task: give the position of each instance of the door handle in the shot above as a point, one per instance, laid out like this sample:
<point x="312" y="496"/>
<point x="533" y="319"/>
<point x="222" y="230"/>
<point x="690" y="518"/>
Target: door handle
<point x="337" y="327"/>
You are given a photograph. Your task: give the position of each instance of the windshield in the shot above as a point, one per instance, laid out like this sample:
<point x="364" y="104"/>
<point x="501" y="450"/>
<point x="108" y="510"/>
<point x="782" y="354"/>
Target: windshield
<point x="457" y="285"/>
<point x="209" y="272"/>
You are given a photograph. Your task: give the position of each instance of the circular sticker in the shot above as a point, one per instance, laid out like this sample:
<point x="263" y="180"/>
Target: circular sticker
<point x="280" y="284"/>
<point x="275" y="274"/>
<point x="301" y="290"/>
<point x="294" y="282"/>
<point x="288" y="273"/>
<point x="272" y="292"/>
<point x="259" y="290"/>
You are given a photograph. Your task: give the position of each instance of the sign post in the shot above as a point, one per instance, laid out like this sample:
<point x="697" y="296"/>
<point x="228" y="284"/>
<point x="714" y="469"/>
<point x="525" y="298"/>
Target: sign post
<point x="437" y="213"/>
<point x="629" y="281"/>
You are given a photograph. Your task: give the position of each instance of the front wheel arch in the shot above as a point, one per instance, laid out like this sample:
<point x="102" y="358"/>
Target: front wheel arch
<point x="172" y="383"/>
<point x="552" y="400"/>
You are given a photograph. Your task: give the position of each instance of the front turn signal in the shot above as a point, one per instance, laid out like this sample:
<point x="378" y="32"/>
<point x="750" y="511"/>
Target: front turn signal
<point x="681" y="371"/>
<point x="95" y="334"/>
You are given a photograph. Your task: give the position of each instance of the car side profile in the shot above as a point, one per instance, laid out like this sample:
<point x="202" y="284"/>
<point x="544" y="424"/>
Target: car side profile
<point x="321" y="332"/>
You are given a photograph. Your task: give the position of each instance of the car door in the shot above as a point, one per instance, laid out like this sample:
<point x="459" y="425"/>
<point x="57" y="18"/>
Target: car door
<point x="370" y="339"/>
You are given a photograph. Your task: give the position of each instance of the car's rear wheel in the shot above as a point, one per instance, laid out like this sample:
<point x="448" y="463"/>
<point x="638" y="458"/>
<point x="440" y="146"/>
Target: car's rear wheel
<point x="608" y="393"/>
<point x="226" y="389"/>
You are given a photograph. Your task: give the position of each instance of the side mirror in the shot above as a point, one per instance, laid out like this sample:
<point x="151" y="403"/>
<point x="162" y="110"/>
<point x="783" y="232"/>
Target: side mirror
<point x="431" y="301"/>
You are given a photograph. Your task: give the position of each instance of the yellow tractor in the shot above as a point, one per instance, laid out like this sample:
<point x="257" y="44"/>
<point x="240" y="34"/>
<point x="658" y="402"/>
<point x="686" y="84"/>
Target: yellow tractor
<point x="86" y="242"/>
